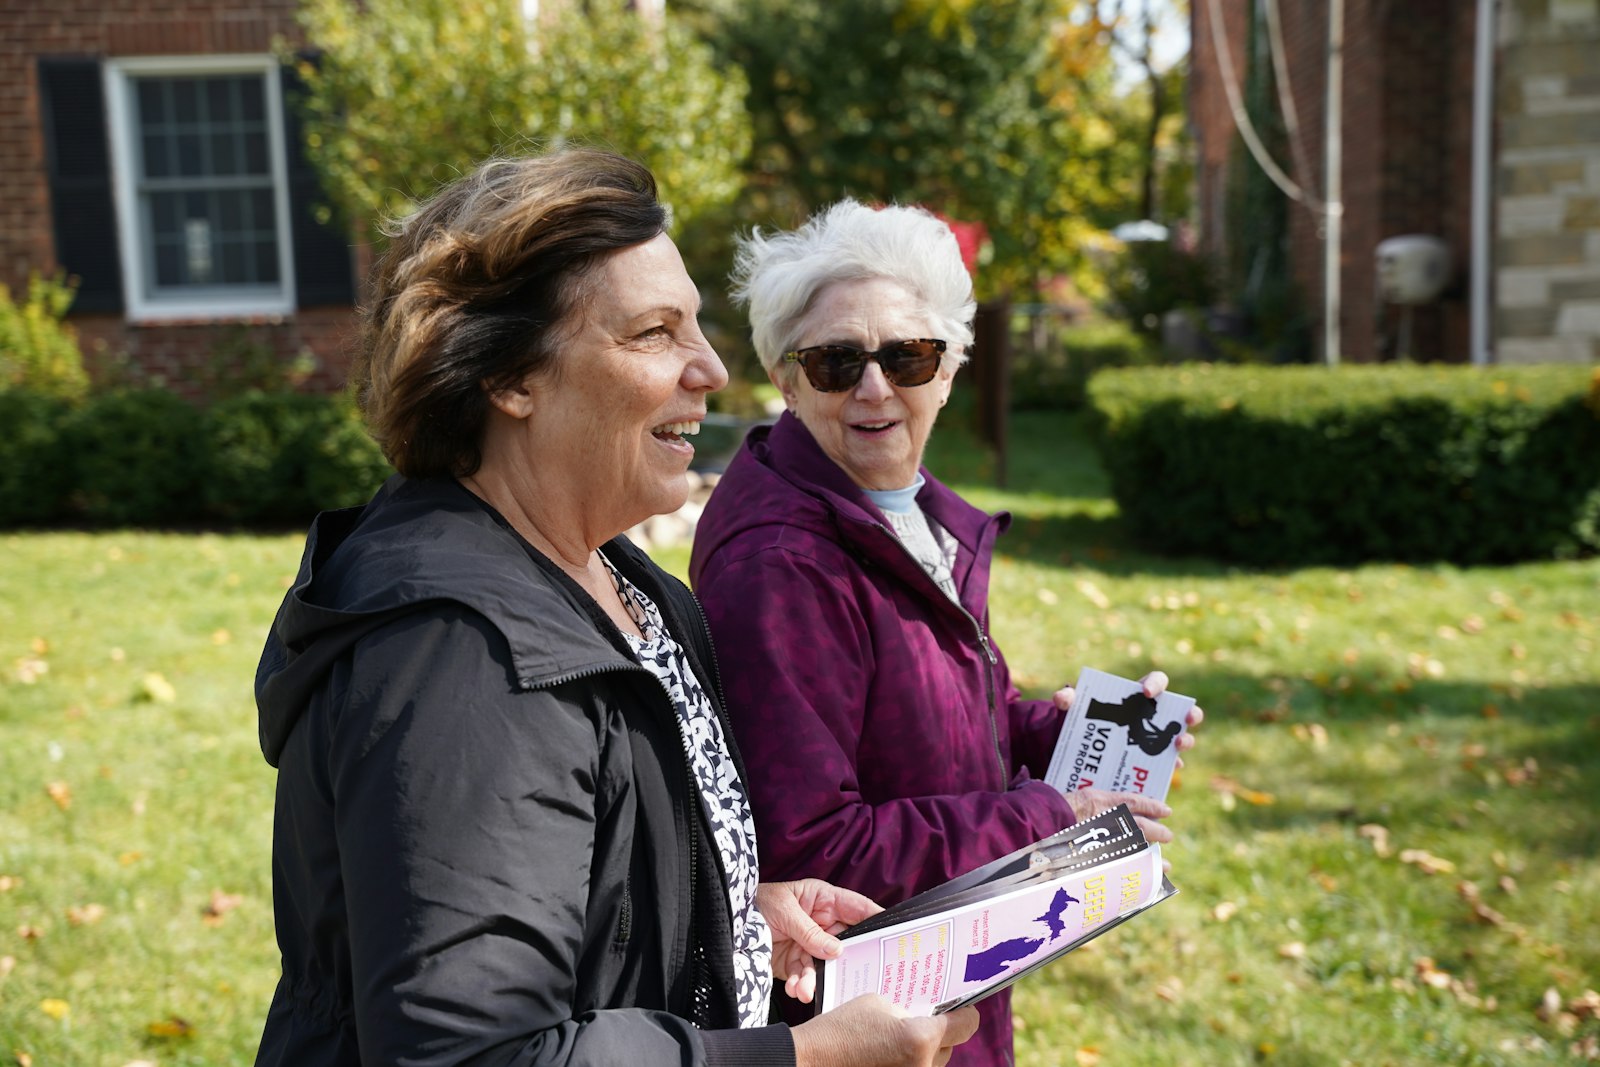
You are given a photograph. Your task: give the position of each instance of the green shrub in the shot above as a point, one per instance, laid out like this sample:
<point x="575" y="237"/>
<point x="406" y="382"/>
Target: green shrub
<point x="32" y="458"/>
<point x="282" y="457"/>
<point x="1147" y="279"/>
<point x="1293" y="465"/>
<point x="37" y="350"/>
<point x="1054" y="375"/>
<point x="136" y="458"/>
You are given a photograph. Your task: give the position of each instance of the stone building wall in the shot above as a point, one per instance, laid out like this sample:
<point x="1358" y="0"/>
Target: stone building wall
<point x="1547" y="282"/>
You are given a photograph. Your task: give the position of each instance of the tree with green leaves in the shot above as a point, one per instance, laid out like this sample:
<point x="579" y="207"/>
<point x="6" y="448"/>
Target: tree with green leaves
<point x="980" y="110"/>
<point x="408" y="94"/>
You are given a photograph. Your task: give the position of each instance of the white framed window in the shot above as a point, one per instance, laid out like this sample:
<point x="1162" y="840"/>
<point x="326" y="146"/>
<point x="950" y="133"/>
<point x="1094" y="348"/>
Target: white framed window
<point x="199" y="177"/>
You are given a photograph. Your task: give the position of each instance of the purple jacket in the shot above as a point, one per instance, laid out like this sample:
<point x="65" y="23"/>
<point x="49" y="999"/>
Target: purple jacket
<point x="888" y="749"/>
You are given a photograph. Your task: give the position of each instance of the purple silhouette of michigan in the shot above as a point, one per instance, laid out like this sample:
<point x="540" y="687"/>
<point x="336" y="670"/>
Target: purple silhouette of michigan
<point x="1055" y="916"/>
<point x="992" y="961"/>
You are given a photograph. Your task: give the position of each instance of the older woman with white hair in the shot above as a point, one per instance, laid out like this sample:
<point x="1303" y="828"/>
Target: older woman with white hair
<point x="847" y="588"/>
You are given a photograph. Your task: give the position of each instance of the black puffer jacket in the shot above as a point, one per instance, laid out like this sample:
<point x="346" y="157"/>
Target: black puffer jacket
<point x="488" y="848"/>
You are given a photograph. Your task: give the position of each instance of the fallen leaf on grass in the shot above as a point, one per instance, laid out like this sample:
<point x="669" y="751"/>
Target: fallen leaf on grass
<point x="61" y="793"/>
<point x="1170" y="989"/>
<point x="1093" y="595"/>
<point x="220" y="637"/>
<point x="22" y="1058"/>
<point x="1586" y="1006"/>
<point x="29" y="933"/>
<point x="7" y="965"/>
<point x="86" y="914"/>
<point x="1481" y="911"/>
<point x="1378" y="835"/>
<point x="221" y="903"/>
<point x="1522" y="775"/>
<point x="1551" y="1010"/>
<point x="154" y="687"/>
<point x="1327" y="881"/>
<point x="171" y="1026"/>
<point x="1315" y="732"/>
<point x="1087" y="1056"/>
<point x="128" y="859"/>
<point x="1587" y="1049"/>
<point x="1430" y="973"/>
<point x="1426" y="861"/>
<point x="30" y="669"/>
<point x="8" y="882"/>
<point x="56" y="1008"/>
<point x="140" y="1063"/>
<point x="1294" y="950"/>
<point x="1224" y="911"/>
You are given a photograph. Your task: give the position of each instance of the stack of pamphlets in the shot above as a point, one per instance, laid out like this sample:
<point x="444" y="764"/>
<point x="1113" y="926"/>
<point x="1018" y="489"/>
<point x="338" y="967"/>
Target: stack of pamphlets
<point x="1116" y="738"/>
<point x="975" y="935"/>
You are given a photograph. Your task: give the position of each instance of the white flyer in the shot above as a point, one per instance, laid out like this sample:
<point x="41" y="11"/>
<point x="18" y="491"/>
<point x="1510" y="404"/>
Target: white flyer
<point x="1116" y="738"/>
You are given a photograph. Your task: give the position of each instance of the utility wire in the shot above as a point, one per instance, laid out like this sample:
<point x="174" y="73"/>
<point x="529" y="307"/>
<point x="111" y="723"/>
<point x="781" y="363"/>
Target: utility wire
<point x="1247" y="129"/>
<point x="1280" y="67"/>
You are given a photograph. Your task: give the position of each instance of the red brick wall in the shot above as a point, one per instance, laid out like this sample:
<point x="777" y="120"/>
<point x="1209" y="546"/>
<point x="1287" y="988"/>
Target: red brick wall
<point x="1406" y="146"/>
<point x="1210" y="120"/>
<point x="112" y="28"/>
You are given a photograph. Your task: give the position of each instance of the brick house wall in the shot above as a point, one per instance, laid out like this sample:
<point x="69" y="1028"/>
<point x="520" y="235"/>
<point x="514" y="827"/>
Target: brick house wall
<point x="181" y="350"/>
<point x="1406" y="153"/>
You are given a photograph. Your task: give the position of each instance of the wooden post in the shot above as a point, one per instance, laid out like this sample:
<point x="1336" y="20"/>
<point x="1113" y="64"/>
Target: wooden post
<point x="991" y="375"/>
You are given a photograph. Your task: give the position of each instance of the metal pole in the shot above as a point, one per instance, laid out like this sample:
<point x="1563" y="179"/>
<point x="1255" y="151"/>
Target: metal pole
<point x="1333" y="163"/>
<point x="1482" y="183"/>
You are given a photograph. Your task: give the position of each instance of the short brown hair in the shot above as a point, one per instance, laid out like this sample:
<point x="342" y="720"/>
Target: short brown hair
<point x="470" y="293"/>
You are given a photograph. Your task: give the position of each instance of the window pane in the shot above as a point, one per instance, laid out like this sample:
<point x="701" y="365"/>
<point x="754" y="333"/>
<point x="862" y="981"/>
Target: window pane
<point x="164" y="214"/>
<point x="230" y="210"/>
<point x="201" y="137"/>
<point x="224" y="159"/>
<point x="267" y="262"/>
<point x="189" y="161"/>
<point x="219" y="101"/>
<point x="252" y="99"/>
<point x="152" y="101"/>
<point x="261" y="213"/>
<point x="169" y="265"/>
<point x="186" y="99"/>
<point x="156" y="164"/>
<point x="255" y="152"/>
<point x="235" y="264"/>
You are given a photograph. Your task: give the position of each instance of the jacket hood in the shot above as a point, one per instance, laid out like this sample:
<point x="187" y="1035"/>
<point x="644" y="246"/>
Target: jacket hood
<point x="782" y="478"/>
<point x="414" y="544"/>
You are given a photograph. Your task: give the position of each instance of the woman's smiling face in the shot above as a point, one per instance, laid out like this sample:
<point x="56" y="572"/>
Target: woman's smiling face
<point x="874" y="431"/>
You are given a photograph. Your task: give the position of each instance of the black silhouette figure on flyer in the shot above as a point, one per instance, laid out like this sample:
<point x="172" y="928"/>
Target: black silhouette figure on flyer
<point x="1136" y="712"/>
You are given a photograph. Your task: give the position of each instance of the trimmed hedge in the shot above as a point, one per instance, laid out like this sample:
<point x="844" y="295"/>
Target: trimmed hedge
<point x="1297" y="465"/>
<point x="135" y="458"/>
<point x="145" y="457"/>
<point x="32" y="459"/>
<point x="277" y="457"/>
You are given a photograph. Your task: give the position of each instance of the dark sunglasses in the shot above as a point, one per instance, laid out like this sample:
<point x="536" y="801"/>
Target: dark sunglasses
<point x="835" y="368"/>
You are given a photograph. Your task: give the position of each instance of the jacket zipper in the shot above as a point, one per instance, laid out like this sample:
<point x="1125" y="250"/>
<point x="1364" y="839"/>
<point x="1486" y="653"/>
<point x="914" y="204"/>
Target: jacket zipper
<point x="989" y="658"/>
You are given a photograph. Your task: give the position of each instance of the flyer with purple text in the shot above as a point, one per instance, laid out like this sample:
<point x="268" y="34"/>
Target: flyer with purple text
<point x="976" y="935"/>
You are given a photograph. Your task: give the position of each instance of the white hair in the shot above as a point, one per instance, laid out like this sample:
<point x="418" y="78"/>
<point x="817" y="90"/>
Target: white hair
<point x="779" y="276"/>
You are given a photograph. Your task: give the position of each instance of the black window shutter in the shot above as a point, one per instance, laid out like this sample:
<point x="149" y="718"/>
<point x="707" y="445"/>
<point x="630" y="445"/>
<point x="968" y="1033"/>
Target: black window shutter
<point x="324" y="270"/>
<point x="78" y="165"/>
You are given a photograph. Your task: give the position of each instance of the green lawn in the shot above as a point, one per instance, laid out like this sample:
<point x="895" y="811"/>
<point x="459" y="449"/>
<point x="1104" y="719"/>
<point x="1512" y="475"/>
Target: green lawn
<point x="1389" y="844"/>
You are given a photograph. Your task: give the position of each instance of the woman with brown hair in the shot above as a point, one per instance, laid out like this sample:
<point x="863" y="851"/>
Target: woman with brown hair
<point x="512" y="826"/>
